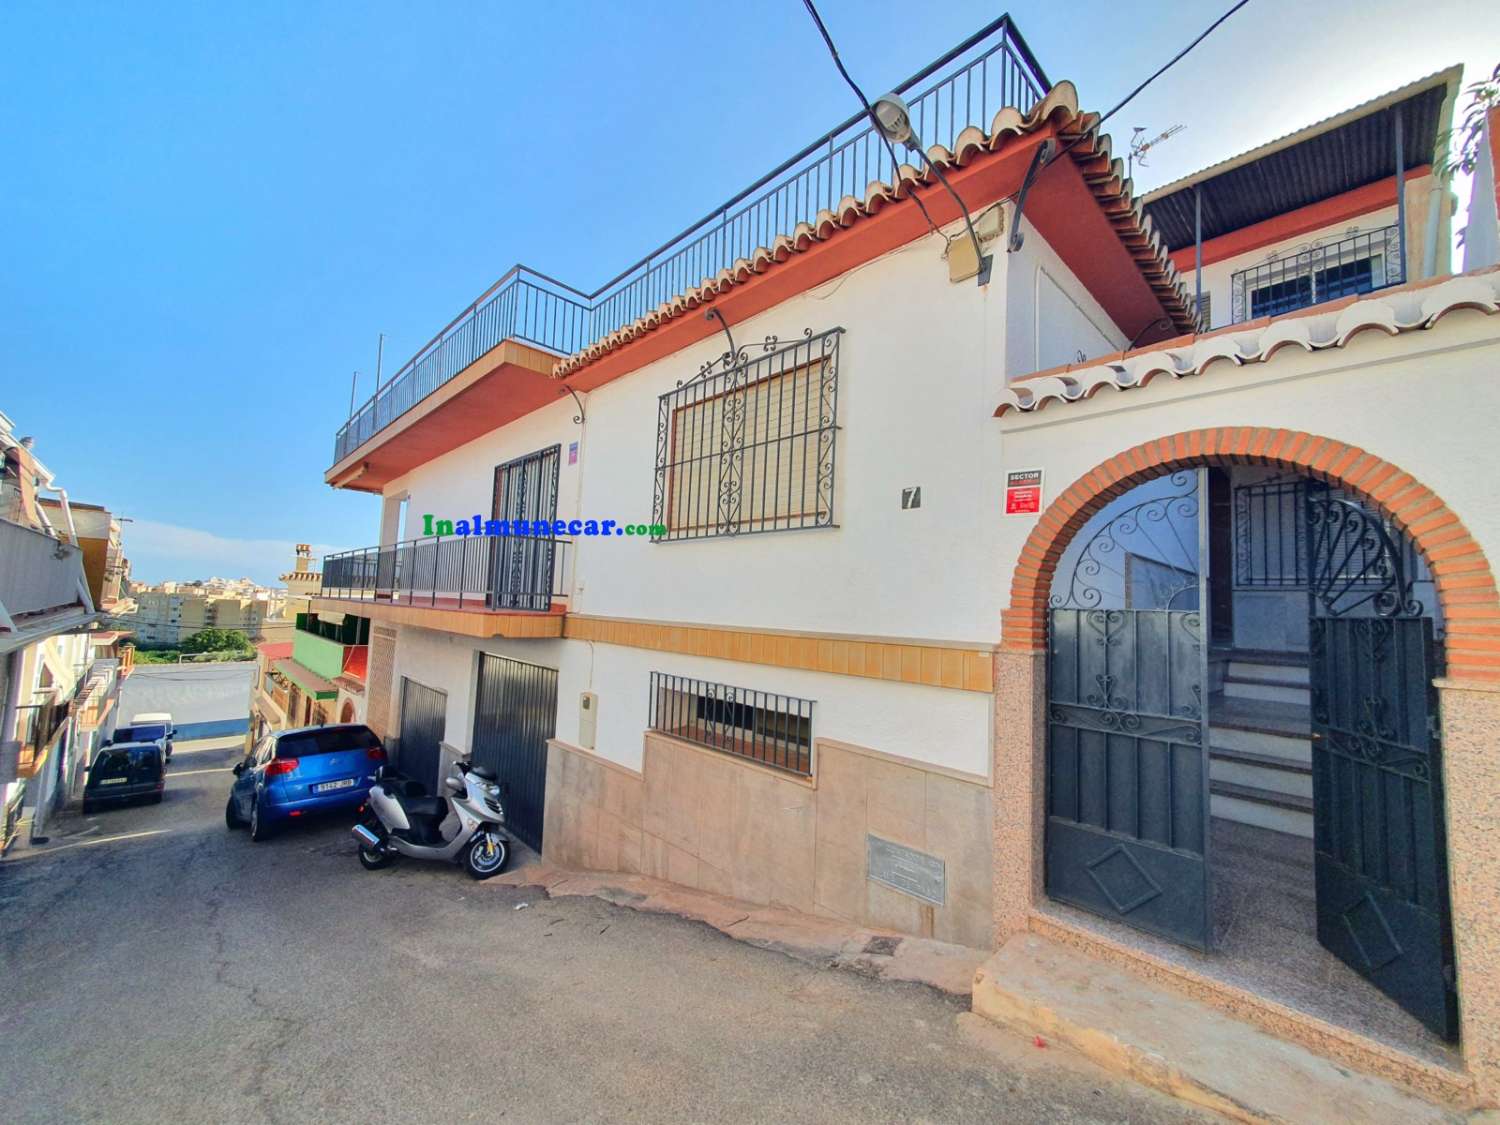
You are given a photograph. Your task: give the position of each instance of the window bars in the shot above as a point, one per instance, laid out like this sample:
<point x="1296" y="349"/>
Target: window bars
<point x="1360" y="263"/>
<point x="1271" y="540"/>
<point x="748" y="444"/>
<point x="775" y="730"/>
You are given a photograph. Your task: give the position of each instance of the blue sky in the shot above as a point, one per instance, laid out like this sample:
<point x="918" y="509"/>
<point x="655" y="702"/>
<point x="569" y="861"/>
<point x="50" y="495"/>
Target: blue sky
<point x="212" y="210"/>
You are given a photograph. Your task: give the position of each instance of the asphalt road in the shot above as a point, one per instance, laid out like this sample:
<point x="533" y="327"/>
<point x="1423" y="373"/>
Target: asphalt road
<point x="156" y="967"/>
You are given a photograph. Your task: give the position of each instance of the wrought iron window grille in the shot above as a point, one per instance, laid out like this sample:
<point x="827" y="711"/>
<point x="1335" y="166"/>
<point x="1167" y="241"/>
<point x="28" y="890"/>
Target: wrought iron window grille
<point x="1356" y="549"/>
<point x="1356" y="263"/>
<point x="766" y="727"/>
<point x="748" y="444"/>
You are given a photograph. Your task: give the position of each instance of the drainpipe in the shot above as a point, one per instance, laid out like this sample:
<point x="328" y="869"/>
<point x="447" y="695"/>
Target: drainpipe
<point x="1400" y="195"/>
<point x="1434" y="220"/>
<point x="1198" y="257"/>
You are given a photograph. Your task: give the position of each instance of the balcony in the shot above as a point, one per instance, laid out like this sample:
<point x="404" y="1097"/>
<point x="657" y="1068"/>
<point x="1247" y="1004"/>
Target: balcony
<point x="497" y="355"/>
<point x="1361" y="263"/>
<point x="506" y="586"/>
<point x="42" y="586"/>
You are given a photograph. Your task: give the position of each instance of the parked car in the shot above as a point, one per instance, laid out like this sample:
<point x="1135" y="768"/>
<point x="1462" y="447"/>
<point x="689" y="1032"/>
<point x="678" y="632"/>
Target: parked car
<point x="125" y="771"/>
<point x="303" y="772"/>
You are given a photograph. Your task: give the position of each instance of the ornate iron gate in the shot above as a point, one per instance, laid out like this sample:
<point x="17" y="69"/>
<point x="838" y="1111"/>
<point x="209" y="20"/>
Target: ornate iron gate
<point x="521" y="566"/>
<point x="423" y="723"/>
<point x="515" y="713"/>
<point x="1127" y="747"/>
<point x="1378" y="833"/>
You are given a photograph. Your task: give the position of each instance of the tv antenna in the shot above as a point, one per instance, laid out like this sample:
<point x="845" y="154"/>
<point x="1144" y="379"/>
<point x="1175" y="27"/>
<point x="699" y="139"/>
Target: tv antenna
<point x="1139" y="147"/>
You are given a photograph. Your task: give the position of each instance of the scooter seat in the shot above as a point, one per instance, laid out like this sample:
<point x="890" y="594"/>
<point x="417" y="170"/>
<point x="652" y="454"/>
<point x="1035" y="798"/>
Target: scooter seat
<point x="424" y="806"/>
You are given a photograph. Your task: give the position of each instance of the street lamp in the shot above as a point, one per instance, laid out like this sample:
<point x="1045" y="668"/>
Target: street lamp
<point x="893" y="119"/>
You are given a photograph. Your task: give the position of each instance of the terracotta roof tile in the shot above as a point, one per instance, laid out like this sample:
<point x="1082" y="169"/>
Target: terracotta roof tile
<point x="1408" y="308"/>
<point x="1081" y="141"/>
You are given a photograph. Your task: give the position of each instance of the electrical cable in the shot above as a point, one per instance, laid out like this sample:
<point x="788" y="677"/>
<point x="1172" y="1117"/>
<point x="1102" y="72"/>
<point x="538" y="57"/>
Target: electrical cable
<point x="870" y="112"/>
<point x="1168" y="65"/>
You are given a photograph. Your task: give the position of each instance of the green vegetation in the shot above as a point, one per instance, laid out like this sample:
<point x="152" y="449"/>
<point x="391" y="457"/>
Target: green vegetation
<point x="217" y="640"/>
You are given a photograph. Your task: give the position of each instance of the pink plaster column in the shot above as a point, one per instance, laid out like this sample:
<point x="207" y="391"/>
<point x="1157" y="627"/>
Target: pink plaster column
<point x="1020" y="777"/>
<point x="1471" y="794"/>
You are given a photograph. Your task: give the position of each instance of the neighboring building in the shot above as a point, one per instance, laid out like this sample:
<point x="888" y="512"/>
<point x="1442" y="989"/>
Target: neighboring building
<point x="318" y="676"/>
<point x="104" y="561"/>
<point x="58" y="681"/>
<point x="171" y="612"/>
<point x="1019" y="670"/>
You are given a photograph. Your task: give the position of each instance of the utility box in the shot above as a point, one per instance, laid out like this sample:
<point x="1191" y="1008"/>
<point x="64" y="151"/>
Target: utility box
<point x="588" y="719"/>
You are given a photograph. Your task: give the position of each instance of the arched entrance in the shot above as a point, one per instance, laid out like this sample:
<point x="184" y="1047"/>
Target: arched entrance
<point x="1141" y="580"/>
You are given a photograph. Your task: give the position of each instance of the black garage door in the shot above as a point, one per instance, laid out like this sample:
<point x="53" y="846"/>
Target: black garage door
<point x="514" y="716"/>
<point x="422" y="727"/>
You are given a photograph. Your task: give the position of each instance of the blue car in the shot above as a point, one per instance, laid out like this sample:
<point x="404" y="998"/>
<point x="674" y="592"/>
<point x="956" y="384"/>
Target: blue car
<point x="301" y="773"/>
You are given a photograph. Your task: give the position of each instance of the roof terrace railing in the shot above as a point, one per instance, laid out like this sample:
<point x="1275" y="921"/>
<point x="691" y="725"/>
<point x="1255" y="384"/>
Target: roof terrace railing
<point x="991" y="69"/>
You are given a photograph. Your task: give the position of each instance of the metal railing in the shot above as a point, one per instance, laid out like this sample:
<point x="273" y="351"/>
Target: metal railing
<point x="775" y="730"/>
<point x="510" y="572"/>
<point x="1360" y="263"/>
<point x="991" y="69"/>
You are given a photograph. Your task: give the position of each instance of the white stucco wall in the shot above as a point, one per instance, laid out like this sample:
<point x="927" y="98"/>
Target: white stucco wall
<point x="1050" y="319"/>
<point x="920" y="367"/>
<point x="1412" y="400"/>
<point x="947" y="728"/>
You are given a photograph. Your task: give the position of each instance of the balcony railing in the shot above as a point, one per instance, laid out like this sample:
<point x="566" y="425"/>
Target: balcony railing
<point x="991" y="69"/>
<point x="454" y="572"/>
<point x="1360" y="263"/>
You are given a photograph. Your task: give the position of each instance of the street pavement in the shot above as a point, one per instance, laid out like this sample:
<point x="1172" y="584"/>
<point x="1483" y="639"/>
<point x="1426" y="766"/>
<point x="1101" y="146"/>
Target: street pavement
<point x="157" y="967"/>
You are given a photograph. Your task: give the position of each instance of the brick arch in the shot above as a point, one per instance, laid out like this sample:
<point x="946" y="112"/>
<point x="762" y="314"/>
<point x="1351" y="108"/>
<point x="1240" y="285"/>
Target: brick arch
<point x="1465" y="584"/>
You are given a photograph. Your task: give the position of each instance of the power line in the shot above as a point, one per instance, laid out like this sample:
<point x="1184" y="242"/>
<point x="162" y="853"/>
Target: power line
<point x="869" y="112"/>
<point x="1168" y="65"/>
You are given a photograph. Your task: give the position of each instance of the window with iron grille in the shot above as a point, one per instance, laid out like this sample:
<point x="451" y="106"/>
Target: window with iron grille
<point x="1271" y="539"/>
<point x="748" y="445"/>
<point x="773" y="729"/>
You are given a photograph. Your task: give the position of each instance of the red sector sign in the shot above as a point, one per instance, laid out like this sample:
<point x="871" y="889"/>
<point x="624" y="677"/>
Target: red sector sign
<point x="1023" y="492"/>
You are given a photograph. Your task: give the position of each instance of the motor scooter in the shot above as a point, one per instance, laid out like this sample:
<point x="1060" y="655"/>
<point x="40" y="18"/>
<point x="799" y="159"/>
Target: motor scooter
<point x="400" y="820"/>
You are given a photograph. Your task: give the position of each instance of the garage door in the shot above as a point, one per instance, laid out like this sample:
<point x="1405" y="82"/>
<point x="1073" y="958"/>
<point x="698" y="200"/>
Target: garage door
<point x="514" y="716"/>
<point x="423" y="711"/>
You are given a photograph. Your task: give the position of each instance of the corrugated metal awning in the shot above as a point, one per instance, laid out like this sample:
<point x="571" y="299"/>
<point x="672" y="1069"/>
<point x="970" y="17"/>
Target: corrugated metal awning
<point x="1344" y="152"/>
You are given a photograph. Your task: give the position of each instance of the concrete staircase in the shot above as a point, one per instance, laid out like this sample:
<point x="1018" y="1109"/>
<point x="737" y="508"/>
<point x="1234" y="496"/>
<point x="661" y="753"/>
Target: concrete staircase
<point x="1260" y="752"/>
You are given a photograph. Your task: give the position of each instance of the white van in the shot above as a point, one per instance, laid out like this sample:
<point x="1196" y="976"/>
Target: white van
<point x="150" y="726"/>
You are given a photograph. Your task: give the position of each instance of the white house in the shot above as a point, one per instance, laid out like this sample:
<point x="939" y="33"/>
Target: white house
<point x="880" y="628"/>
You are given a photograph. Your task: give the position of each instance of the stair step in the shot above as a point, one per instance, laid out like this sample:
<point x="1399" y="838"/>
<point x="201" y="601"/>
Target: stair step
<point x="1270" y="691"/>
<point x="1286" y="747"/>
<point x="1192" y="1049"/>
<point x="1290" y="802"/>
<point x="1262" y="656"/>
<point x="1249" y="804"/>
<point x="1283" y="778"/>
<point x="1280" y="718"/>
<point x="1266" y="761"/>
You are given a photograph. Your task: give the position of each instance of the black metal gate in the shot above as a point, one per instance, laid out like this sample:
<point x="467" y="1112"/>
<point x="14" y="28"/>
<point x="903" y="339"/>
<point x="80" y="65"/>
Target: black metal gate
<point x="521" y="566"/>
<point x="515" y="713"/>
<point x="1378" y="832"/>
<point x="423" y="723"/>
<point x="1127" y="748"/>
